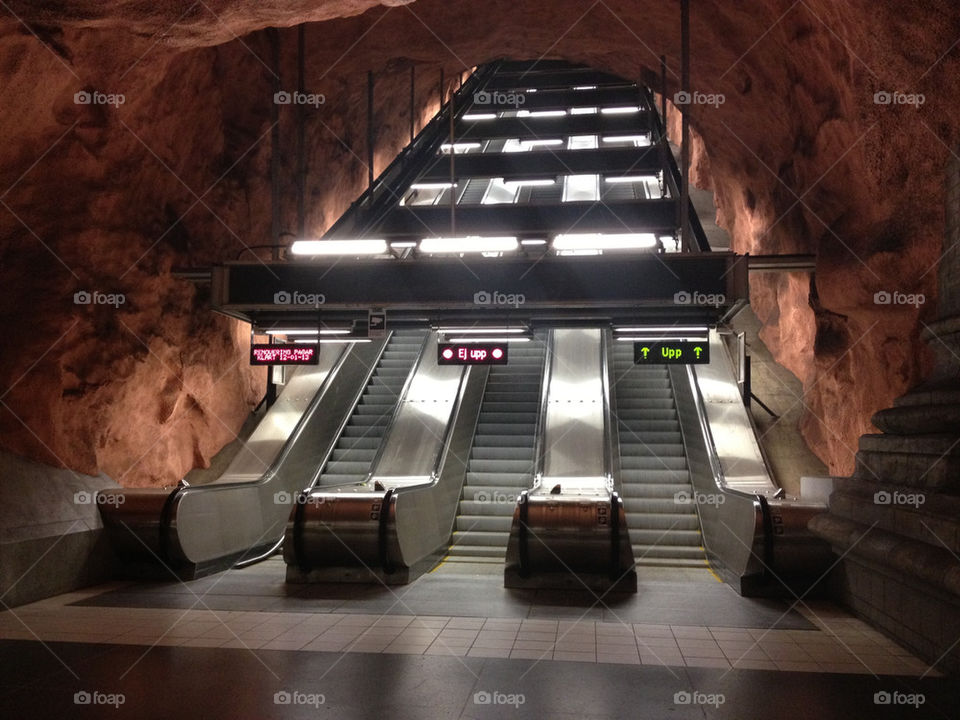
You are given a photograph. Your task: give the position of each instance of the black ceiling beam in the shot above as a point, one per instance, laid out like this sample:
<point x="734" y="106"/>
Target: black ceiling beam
<point x="414" y="222"/>
<point x="544" y="163"/>
<point x="553" y="127"/>
<point x="430" y="285"/>
<point x="488" y="101"/>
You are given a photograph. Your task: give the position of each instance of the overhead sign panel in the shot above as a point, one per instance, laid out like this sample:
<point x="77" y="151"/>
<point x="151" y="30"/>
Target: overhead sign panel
<point x="671" y="352"/>
<point x="471" y="353"/>
<point x="284" y="354"/>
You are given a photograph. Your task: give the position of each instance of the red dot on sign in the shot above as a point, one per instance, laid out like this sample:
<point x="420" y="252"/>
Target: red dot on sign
<point x="497" y="353"/>
<point x="447" y="354"/>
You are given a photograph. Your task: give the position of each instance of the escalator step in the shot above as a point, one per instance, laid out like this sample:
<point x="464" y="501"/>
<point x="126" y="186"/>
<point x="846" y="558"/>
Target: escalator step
<point x="662" y="521"/>
<point x="653" y="462"/>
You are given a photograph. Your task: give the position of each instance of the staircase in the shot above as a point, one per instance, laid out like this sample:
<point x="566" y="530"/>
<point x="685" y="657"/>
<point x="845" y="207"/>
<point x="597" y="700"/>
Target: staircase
<point x="361" y="438"/>
<point x="501" y="460"/>
<point x="654" y="466"/>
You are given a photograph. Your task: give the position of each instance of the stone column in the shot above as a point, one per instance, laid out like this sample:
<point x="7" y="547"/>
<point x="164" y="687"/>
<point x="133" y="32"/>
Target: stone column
<point x="896" y="521"/>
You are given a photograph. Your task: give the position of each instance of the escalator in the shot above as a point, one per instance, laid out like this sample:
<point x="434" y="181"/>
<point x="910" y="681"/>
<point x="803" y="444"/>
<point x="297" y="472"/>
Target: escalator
<point x="654" y="471"/>
<point x="357" y="447"/>
<point x="501" y="461"/>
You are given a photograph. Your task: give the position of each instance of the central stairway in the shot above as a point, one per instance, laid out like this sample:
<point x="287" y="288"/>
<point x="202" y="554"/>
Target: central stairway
<point x="357" y="447"/>
<point x="501" y="460"/>
<point x="653" y="464"/>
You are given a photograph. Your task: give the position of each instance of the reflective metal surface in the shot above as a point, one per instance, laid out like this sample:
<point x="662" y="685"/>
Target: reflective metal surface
<point x="394" y="524"/>
<point x="570" y="530"/>
<point x="574" y="439"/>
<point x="203" y="528"/>
<point x="415" y="440"/>
<point x="758" y="543"/>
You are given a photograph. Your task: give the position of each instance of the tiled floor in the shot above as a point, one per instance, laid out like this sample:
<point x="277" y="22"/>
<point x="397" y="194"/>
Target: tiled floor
<point x="834" y="642"/>
<point x="244" y="645"/>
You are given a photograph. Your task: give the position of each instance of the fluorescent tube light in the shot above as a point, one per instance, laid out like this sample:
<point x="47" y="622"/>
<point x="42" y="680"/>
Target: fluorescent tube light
<point x="604" y="241"/>
<point x="471" y="243"/>
<point x="339" y="247"/>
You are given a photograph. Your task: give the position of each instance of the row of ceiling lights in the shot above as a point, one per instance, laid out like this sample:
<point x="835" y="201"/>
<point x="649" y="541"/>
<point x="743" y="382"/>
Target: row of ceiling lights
<point x="564" y="242"/>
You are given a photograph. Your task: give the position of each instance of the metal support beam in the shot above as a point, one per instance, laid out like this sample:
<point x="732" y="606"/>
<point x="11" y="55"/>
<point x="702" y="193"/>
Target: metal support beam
<point x="370" y="131"/>
<point x="547" y="127"/>
<point x="413" y="73"/>
<point x="274" y="36"/>
<point x="687" y="241"/>
<point x="412" y="222"/>
<point x="301" y="133"/>
<point x="544" y="163"/>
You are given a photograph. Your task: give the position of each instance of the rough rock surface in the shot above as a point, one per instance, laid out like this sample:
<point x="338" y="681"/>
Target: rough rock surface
<point x="111" y="198"/>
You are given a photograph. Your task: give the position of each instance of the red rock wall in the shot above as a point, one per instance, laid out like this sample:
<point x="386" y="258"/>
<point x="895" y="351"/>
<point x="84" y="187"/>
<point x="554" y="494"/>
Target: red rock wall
<point x="111" y="198"/>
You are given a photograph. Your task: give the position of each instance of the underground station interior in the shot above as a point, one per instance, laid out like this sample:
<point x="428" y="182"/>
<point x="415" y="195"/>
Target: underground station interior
<point x="437" y="360"/>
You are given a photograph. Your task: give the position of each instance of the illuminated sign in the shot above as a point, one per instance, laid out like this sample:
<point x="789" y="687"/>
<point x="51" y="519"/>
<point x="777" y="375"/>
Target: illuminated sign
<point x="284" y="354"/>
<point x="472" y="354"/>
<point x="679" y="352"/>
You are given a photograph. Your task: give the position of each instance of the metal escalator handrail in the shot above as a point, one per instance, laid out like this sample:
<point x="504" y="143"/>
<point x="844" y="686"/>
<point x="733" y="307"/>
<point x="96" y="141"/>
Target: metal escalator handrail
<point x="383" y="524"/>
<point x="288" y="445"/>
<point x="712" y="456"/>
<point x="614" y="536"/>
<point x="540" y="449"/>
<point x="607" y="412"/>
<point x="451" y="423"/>
<point x="347" y="416"/>
<point x="396" y="408"/>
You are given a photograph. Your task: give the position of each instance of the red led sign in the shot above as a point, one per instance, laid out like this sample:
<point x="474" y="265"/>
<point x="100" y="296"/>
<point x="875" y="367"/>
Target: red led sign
<point x="284" y="354"/>
<point x="472" y="354"/>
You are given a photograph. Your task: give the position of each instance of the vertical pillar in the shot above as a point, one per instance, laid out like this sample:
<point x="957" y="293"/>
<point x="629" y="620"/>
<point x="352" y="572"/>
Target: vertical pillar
<point x="273" y="35"/>
<point x="687" y="243"/>
<point x="370" y="132"/>
<point x="301" y="133"/>
<point x="413" y="71"/>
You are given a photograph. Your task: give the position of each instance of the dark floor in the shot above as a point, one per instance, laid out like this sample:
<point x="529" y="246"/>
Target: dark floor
<point x="170" y="682"/>
<point x="454" y="644"/>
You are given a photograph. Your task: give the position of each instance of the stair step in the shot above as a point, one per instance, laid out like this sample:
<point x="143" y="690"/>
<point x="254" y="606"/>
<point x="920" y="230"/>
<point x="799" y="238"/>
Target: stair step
<point x="484" y="523"/>
<point x="653" y="462"/>
<point x="662" y="521"/>
<point x="689" y="552"/>
<point x="478" y="551"/>
<point x="476" y="538"/>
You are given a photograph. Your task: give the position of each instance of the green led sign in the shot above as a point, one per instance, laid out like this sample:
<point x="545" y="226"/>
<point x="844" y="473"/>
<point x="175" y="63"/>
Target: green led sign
<point x="677" y="352"/>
